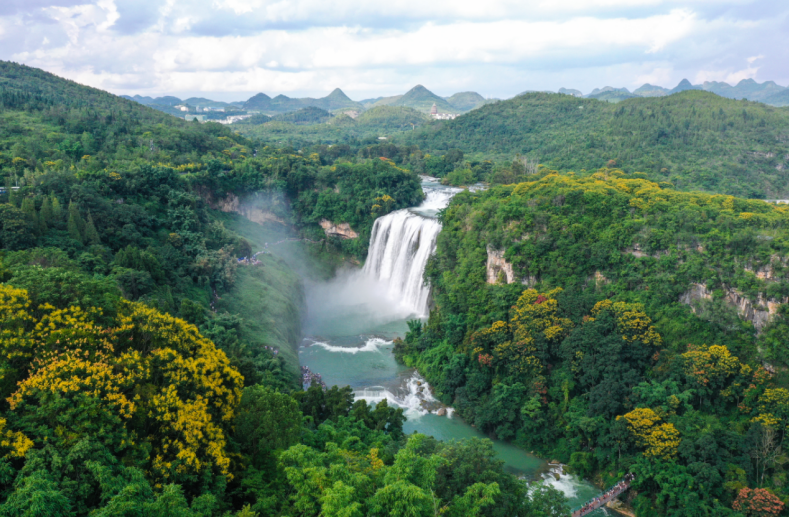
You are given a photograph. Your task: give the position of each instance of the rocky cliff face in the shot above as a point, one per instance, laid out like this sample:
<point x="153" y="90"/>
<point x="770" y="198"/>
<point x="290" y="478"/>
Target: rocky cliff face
<point x="233" y="204"/>
<point x="497" y="265"/>
<point x="342" y="230"/>
<point x="696" y="293"/>
<point x="759" y="312"/>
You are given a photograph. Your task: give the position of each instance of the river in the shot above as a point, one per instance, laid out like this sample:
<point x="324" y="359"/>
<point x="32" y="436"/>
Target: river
<point x="352" y="320"/>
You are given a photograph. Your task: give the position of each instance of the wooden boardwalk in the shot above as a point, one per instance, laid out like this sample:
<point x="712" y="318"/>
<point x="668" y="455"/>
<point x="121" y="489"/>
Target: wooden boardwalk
<point x="601" y="500"/>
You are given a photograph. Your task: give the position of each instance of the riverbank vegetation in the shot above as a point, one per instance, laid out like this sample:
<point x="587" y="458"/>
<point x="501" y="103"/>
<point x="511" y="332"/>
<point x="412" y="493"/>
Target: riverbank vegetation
<point x="618" y="325"/>
<point x="130" y="411"/>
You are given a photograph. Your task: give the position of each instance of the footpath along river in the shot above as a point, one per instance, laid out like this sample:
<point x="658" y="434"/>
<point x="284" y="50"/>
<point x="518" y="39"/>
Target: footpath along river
<point x="352" y="320"/>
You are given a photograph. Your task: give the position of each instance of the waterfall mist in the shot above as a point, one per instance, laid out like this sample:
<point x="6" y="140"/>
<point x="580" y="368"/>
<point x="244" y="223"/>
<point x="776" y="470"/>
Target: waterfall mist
<point x="391" y="285"/>
<point x="350" y="303"/>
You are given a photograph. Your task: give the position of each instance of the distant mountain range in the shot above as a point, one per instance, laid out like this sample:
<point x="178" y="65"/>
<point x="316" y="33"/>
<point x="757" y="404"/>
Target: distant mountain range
<point x="768" y="92"/>
<point x="422" y="99"/>
<point x="418" y="98"/>
<point x="169" y="101"/>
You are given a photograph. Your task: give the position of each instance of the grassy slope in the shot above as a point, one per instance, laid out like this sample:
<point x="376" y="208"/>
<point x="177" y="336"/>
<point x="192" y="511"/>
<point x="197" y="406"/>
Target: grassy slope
<point x="270" y="296"/>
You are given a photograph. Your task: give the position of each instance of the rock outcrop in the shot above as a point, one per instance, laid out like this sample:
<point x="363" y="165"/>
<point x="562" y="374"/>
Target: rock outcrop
<point x="342" y="230"/>
<point x="600" y="279"/>
<point x="768" y="271"/>
<point x="696" y="293"/>
<point x="232" y="204"/>
<point x="497" y="265"/>
<point x="759" y="312"/>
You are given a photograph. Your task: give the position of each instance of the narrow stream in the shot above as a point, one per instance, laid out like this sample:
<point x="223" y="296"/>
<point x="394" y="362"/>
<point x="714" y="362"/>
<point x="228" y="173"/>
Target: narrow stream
<point x="352" y="320"/>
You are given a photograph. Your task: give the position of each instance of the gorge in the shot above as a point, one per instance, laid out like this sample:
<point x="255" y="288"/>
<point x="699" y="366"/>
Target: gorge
<point x="351" y="323"/>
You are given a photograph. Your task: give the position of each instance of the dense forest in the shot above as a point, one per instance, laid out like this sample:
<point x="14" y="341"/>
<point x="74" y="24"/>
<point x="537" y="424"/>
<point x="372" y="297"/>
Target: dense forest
<point x="311" y="126"/>
<point x="147" y="371"/>
<point x="694" y="139"/>
<point x="620" y="326"/>
<point x="151" y="294"/>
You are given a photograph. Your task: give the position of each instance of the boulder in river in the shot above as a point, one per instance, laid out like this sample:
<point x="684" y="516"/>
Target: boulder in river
<point x="442" y="412"/>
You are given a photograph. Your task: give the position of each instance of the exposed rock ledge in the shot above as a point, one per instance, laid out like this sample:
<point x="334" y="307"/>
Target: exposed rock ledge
<point x="232" y="204"/>
<point x="342" y="230"/>
<point x="497" y="265"/>
<point x="759" y="313"/>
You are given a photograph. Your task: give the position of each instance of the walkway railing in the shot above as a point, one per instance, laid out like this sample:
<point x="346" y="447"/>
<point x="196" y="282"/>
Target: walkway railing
<point x="599" y="501"/>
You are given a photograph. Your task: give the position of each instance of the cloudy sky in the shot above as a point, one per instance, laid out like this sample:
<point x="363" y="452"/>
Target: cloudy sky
<point x="231" y="49"/>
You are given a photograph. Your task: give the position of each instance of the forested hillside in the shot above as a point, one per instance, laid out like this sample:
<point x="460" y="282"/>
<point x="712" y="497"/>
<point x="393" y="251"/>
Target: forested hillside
<point x="309" y="127"/>
<point x="619" y="325"/>
<point x="694" y="139"/>
<point x="146" y="370"/>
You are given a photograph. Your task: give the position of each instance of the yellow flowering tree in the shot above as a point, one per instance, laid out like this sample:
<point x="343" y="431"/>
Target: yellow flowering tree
<point x="149" y="381"/>
<point x="772" y="409"/>
<point x="658" y="439"/>
<point x="713" y="370"/>
<point x="535" y="328"/>
<point x="632" y="322"/>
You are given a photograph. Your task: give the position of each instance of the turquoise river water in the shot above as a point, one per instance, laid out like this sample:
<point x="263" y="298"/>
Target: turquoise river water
<point x="352" y="320"/>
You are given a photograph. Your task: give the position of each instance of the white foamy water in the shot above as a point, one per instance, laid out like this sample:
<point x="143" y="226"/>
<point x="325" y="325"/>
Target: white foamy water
<point x="572" y="487"/>
<point x="372" y="345"/>
<point x="414" y="397"/>
<point x="400" y="245"/>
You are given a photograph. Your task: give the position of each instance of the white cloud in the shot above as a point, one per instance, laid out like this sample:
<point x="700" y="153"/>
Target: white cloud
<point x="749" y="72"/>
<point x="468" y="10"/>
<point x="504" y="46"/>
<point x="659" y="76"/>
<point x="111" y="11"/>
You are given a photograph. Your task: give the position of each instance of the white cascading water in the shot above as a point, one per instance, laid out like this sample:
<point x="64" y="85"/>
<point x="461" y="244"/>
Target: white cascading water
<point x="415" y="397"/>
<point x="400" y="245"/>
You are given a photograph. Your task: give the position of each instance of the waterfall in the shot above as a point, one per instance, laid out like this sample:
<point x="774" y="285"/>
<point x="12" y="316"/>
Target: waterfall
<point x="402" y="242"/>
<point x="400" y="245"/>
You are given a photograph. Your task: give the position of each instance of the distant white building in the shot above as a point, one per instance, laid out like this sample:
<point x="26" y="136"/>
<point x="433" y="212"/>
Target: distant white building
<point x="233" y="118"/>
<point x="181" y="107"/>
<point x="440" y="116"/>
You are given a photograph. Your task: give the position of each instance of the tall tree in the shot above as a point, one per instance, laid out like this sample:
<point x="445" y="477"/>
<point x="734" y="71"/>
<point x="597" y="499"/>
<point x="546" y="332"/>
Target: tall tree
<point x="45" y="214"/>
<point x="75" y="223"/>
<point x="57" y="209"/>
<point x="91" y="235"/>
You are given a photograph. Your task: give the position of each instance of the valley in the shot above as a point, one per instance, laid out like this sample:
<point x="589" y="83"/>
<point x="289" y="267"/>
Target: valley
<point x="313" y="313"/>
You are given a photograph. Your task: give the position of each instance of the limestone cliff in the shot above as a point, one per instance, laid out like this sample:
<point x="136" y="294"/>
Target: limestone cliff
<point x="759" y="311"/>
<point x="248" y="208"/>
<point x="342" y="230"/>
<point x="496" y="265"/>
